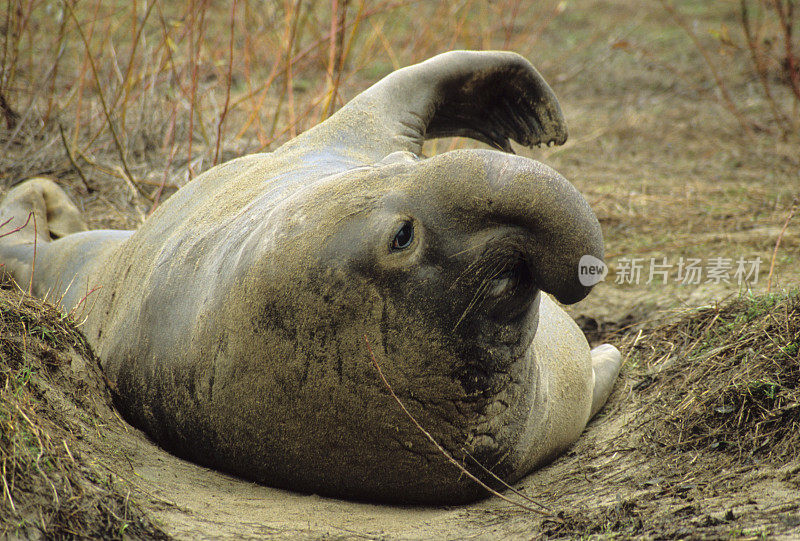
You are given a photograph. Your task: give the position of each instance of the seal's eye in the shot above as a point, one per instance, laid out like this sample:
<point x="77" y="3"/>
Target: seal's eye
<point x="404" y="237"/>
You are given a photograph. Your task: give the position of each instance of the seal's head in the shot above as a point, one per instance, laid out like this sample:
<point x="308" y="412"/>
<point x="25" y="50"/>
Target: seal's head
<point x="438" y="264"/>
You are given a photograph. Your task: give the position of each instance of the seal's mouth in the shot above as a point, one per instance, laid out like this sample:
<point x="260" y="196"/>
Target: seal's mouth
<point x="504" y="325"/>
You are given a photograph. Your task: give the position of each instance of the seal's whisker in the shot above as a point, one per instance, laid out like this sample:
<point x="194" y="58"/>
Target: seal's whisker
<point x="476" y="246"/>
<point x="467" y="270"/>
<point x="479" y="292"/>
<point x="496" y="255"/>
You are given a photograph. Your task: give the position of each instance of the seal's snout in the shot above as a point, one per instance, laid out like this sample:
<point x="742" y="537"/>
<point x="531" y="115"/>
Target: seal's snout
<point x="490" y="189"/>
<point x="560" y="226"/>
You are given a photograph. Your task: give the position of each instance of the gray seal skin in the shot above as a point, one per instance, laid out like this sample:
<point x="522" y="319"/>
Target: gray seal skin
<point x="234" y="324"/>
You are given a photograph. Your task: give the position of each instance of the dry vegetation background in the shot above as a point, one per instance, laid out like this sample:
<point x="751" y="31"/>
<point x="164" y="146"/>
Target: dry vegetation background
<point x="684" y="115"/>
<point x="149" y="94"/>
<point x="684" y="125"/>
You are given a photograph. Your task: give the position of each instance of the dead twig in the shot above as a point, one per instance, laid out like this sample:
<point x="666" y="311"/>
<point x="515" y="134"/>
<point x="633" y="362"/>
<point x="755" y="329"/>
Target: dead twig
<point x="506" y="485"/>
<point x="72" y="158"/>
<point x="172" y="150"/>
<point x="33" y="263"/>
<point x="792" y="211"/>
<point x="292" y="24"/>
<point x="335" y="56"/>
<point x="101" y="95"/>
<point x="6" y="491"/>
<point x="74" y="310"/>
<point x="15" y="229"/>
<point x="757" y="57"/>
<point x="10" y="115"/>
<point x="785" y="16"/>
<point x="720" y="82"/>
<point x="195" y="41"/>
<point x="227" y="86"/>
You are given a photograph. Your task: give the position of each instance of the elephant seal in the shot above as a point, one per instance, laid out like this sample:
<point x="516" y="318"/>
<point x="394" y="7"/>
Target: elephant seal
<point x="234" y="323"/>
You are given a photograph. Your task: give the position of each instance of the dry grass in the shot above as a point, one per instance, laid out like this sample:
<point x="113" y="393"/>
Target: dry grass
<point x="151" y="93"/>
<point x="187" y="85"/>
<point x="727" y="379"/>
<point x="51" y="396"/>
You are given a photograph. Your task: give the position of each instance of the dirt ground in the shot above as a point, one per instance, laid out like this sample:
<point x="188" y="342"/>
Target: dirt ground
<point x="687" y="447"/>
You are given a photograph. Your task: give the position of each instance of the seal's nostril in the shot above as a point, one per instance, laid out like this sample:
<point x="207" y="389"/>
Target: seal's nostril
<point x="514" y="278"/>
<point x="502" y="284"/>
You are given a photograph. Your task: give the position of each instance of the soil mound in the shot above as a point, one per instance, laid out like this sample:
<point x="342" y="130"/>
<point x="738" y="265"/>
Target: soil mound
<point x="707" y="430"/>
<point x="52" y="397"/>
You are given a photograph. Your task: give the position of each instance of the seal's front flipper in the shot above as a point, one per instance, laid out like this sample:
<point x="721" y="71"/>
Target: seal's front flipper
<point x="37" y="208"/>
<point x="490" y="96"/>
<point x="606" y="362"/>
<point x="56" y="215"/>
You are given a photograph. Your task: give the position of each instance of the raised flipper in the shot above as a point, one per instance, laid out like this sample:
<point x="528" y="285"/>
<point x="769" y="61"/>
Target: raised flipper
<point x="606" y="362"/>
<point x="490" y="96"/>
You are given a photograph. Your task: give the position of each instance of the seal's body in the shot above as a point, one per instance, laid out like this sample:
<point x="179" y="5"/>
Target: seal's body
<point x="236" y="323"/>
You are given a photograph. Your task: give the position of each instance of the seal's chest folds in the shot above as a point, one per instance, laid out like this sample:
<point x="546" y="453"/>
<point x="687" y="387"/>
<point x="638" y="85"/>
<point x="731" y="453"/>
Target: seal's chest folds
<point x="343" y="315"/>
